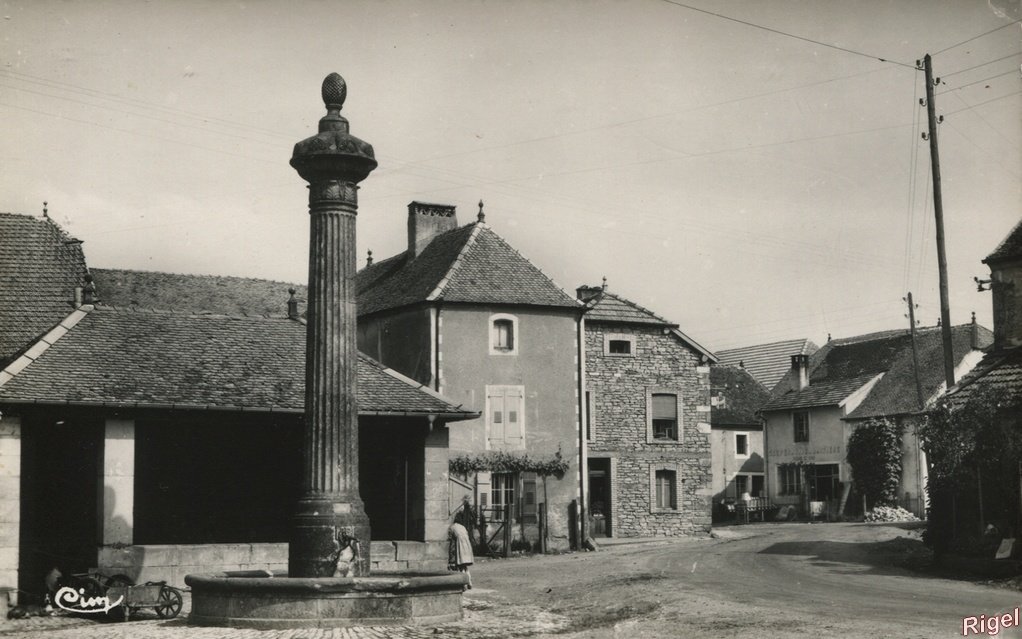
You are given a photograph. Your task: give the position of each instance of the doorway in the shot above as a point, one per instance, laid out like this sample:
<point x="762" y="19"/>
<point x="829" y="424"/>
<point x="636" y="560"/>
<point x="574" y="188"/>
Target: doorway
<point x="600" y="524"/>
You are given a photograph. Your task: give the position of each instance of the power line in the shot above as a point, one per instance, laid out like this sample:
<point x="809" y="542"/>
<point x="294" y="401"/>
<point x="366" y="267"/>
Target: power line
<point x="789" y="35"/>
<point x="962" y="86"/>
<point x="1011" y="55"/>
<point x="986" y="33"/>
<point x="972" y="106"/>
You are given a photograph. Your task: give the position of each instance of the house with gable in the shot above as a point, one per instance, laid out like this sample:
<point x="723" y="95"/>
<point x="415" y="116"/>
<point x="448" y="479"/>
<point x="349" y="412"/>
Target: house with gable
<point x="647" y="394"/>
<point x="844" y="384"/>
<point x="192" y="421"/>
<point x="736" y="441"/>
<point x="465" y="314"/>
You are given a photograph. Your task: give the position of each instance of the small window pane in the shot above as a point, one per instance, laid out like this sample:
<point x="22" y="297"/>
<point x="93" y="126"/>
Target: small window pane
<point x="665" y="406"/>
<point x="503" y="335"/>
<point x="741" y="444"/>
<point x="620" y="347"/>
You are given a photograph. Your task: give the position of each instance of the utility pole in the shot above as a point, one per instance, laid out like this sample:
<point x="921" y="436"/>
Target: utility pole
<point x="915" y="351"/>
<point x="938" y="212"/>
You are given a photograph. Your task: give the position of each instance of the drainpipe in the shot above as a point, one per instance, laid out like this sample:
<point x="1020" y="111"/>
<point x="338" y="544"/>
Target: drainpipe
<point x="583" y="452"/>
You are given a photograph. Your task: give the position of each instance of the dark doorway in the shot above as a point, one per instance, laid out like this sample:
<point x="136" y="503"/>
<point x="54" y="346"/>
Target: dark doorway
<point x="391" y="474"/>
<point x="60" y="467"/>
<point x="824" y="483"/>
<point x="600" y="524"/>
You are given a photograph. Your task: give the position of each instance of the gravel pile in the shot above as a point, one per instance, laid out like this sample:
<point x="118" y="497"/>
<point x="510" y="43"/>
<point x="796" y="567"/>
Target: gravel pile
<point x="889" y="514"/>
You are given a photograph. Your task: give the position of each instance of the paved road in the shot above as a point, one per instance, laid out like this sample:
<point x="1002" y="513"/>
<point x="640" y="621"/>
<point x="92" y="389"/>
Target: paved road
<point x="789" y="580"/>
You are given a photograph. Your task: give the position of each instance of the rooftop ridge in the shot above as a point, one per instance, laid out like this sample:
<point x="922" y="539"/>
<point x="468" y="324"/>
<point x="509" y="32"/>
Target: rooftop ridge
<point x="438" y="292"/>
<point x="198" y="275"/>
<point x="640" y="307"/>
<point x="43" y="344"/>
<point x="186" y="313"/>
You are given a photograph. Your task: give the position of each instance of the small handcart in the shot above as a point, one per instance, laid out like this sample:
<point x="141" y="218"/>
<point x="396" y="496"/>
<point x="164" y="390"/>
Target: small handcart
<point x="165" y="600"/>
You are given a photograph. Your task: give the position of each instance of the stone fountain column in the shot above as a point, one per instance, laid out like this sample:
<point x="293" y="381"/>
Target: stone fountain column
<point x="333" y="162"/>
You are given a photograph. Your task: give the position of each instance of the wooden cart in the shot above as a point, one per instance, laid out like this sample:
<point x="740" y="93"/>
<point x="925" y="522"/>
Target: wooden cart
<point x="165" y="600"/>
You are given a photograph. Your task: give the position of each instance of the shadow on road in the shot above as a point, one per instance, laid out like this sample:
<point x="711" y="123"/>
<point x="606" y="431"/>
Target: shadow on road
<point x="900" y="556"/>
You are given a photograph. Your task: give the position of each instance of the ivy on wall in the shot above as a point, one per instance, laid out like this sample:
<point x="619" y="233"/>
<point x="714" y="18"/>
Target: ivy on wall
<point x="875" y="455"/>
<point x="498" y="461"/>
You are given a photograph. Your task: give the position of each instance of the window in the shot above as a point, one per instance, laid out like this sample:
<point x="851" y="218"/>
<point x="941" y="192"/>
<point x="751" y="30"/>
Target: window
<point x="502" y="494"/>
<point x="665" y="490"/>
<point x="741" y="485"/>
<point x="800" y="420"/>
<point x="751" y="483"/>
<point x="504" y="414"/>
<point x="665" y="416"/>
<point x="741" y="444"/>
<point x="503" y="334"/>
<point x="619" y="345"/>
<point x="789" y="480"/>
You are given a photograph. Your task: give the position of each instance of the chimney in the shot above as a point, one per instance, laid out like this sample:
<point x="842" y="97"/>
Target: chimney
<point x="89" y="292"/>
<point x="79" y="296"/>
<point x="426" y="221"/>
<point x="587" y="293"/>
<point x="974" y="333"/>
<point x="292" y="305"/>
<point x="800" y="372"/>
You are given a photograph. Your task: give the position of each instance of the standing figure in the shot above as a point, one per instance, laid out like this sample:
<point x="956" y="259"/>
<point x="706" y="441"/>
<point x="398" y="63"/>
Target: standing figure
<point x="459" y="554"/>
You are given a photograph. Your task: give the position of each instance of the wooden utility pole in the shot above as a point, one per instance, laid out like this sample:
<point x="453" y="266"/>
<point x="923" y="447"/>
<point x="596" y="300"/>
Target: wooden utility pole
<point x="915" y="351"/>
<point x="938" y="212"/>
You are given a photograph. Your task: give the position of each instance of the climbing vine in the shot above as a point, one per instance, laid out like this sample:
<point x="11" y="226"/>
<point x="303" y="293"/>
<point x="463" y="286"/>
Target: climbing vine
<point x="498" y="461"/>
<point x="874" y="453"/>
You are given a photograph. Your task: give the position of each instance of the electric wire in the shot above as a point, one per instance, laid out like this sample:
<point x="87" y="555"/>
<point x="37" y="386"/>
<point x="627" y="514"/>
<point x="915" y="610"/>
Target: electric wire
<point x="985" y="33"/>
<point x="953" y="73"/>
<point x="789" y="35"/>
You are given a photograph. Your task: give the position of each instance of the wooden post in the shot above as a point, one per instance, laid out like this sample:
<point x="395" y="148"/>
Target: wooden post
<point x="542" y="528"/>
<point x="507" y="529"/>
<point x="938" y="213"/>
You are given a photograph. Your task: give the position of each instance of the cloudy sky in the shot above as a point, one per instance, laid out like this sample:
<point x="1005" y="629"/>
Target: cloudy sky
<point x="751" y="169"/>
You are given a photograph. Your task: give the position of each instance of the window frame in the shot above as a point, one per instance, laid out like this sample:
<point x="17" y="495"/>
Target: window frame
<point x="670" y="471"/>
<point x="504" y="485"/>
<point x="791" y="488"/>
<point x="748" y="443"/>
<point x="795" y="426"/>
<point x="679" y="422"/>
<point x="516" y="340"/>
<point x="619" y="337"/>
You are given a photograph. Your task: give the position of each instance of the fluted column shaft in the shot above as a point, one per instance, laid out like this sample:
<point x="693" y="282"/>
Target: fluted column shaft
<point x="331" y="405"/>
<point x="330" y="508"/>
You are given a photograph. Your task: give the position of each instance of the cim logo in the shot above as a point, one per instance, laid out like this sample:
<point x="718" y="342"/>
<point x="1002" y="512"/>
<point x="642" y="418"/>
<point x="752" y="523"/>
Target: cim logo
<point x="72" y="600"/>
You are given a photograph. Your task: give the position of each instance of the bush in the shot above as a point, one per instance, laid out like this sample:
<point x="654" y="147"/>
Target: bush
<point x="874" y="453"/>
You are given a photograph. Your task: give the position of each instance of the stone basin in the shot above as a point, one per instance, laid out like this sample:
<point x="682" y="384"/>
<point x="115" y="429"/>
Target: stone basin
<point x="269" y="600"/>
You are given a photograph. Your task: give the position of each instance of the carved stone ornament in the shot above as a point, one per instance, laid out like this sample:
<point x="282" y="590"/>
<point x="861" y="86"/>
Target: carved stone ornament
<point x="333" y="191"/>
<point x="333" y="153"/>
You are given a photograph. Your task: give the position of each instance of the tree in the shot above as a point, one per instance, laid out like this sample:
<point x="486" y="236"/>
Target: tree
<point x="874" y="453"/>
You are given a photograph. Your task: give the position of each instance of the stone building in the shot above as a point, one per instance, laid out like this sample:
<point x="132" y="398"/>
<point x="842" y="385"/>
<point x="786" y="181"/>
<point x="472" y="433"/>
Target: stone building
<point x="647" y="395"/>
<point x="462" y="312"/>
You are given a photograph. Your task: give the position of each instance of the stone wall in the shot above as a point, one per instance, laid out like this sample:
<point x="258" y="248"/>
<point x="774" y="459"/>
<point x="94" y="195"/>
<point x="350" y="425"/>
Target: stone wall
<point x="619" y="388"/>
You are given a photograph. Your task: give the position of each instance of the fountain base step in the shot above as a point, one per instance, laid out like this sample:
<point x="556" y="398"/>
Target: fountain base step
<point x="272" y="600"/>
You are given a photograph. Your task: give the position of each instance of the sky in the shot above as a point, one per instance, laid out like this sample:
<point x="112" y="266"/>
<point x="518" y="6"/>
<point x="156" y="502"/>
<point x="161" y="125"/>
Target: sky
<point x="753" y="170"/>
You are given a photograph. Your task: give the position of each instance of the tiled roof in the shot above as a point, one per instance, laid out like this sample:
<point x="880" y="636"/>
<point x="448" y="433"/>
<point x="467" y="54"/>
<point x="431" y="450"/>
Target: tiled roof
<point x="843" y="366"/>
<point x="614" y="309"/>
<point x="40" y="266"/>
<point x="830" y="392"/>
<point x="608" y="307"/>
<point x="737" y="396"/>
<point x="467" y="264"/>
<point x="1000" y="371"/>
<point x="767" y="363"/>
<point x="124" y="357"/>
<point x="195" y="293"/>
<point x="1010" y="246"/>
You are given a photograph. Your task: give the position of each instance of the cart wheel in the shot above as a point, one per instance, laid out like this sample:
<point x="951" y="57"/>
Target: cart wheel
<point x="168" y="603"/>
